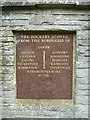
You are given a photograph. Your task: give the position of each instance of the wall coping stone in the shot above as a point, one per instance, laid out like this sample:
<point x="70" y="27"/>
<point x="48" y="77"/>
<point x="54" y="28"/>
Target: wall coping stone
<point x="44" y="2"/>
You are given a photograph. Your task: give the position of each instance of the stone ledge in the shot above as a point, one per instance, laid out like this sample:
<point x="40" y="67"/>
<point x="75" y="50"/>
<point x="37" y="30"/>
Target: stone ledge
<point x="44" y="118"/>
<point x="43" y="2"/>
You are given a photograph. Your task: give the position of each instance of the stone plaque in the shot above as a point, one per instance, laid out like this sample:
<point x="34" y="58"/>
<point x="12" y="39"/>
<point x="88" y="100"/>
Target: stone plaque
<point x="44" y="65"/>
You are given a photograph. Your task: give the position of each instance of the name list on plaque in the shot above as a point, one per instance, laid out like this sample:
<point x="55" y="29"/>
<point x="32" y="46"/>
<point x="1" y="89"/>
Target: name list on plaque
<point x="44" y="66"/>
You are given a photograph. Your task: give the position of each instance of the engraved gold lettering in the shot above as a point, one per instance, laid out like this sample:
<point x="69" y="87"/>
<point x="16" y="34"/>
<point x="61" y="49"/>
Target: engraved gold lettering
<point x="23" y="40"/>
<point x="43" y="47"/>
<point x="59" y="52"/>
<point x="59" y="60"/>
<point x="26" y="67"/>
<point x="25" y="36"/>
<point x="59" y="64"/>
<point x="36" y="40"/>
<point x="27" y="52"/>
<point x="27" y="56"/>
<point x="34" y="36"/>
<point x="59" y="67"/>
<point x="59" y="56"/>
<point x="52" y="40"/>
<point x="27" y="63"/>
<point x="43" y="71"/>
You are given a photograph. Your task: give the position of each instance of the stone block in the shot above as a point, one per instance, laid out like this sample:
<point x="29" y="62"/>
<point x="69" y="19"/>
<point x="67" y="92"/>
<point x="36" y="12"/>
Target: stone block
<point x="82" y="86"/>
<point x="83" y="73"/>
<point x="0" y="45"/>
<point x="0" y="60"/>
<point x="41" y="19"/>
<point x="8" y="85"/>
<point x="8" y="52"/>
<point x="84" y="24"/>
<point x="82" y="34"/>
<point x="87" y="53"/>
<point x="71" y="17"/>
<point x="6" y="23"/>
<point x="0" y="52"/>
<point x="33" y="2"/>
<point x="8" y="77"/>
<point x="9" y="101"/>
<point x="9" y="111"/>
<point x="49" y="113"/>
<point x="82" y="108"/>
<point x="46" y="27"/>
<point x="27" y="114"/>
<point x="82" y="49"/>
<point x="69" y="12"/>
<point x="82" y="100"/>
<point x="81" y="115"/>
<point x="81" y="65"/>
<point x="67" y="22"/>
<point x="82" y="58"/>
<point x="66" y="115"/>
<point x="55" y="108"/>
<point x="9" y="94"/>
<point x="2" y="28"/>
<point x="7" y="69"/>
<point x="35" y="20"/>
<point x="81" y="111"/>
<point x="0" y="90"/>
<point x="83" y="42"/>
<point x="6" y="33"/>
<point x="81" y="92"/>
<point x="8" y="45"/>
<point x="16" y="16"/>
<point x="19" y="22"/>
<point x="8" y="60"/>
<point x="1" y="77"/>
<point x="7" y="39"/>
<point x="2" y="33"/>
<point x="82" y="80"/>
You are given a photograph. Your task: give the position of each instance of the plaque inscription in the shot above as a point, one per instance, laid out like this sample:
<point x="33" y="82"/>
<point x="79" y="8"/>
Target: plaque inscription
<point x="44" y="66"/>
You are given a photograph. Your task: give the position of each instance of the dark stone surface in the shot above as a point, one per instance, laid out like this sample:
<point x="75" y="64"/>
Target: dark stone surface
<point x="44" y="69"/>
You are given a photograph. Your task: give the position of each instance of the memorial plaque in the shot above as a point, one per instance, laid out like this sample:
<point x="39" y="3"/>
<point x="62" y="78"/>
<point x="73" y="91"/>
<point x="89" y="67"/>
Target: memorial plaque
<point x="44" y="65"/>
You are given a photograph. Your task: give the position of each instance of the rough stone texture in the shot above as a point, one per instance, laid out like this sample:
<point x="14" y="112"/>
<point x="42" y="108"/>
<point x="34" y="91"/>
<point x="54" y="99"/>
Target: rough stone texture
<point x="44" y="19"/>
<point x="0" y="64"/>
<point x="33" y="2"/>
